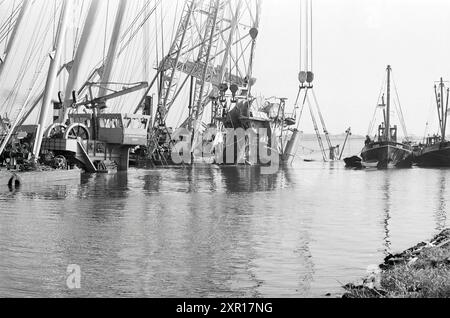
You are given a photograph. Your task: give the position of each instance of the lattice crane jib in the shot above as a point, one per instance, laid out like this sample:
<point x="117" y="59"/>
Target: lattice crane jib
<point x="205" y="58"/>
<point x="170" y="64"/>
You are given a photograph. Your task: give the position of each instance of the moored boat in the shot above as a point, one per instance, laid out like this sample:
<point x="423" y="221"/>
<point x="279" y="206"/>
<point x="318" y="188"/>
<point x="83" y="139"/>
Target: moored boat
<point x="436" y="150"/>
<point x="385" y="151"/>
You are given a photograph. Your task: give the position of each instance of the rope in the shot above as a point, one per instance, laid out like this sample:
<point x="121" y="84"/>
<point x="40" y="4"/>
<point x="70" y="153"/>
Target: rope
<point x="29" y="58"/>
<point x="372" y="123"/>
<point x="9" y="24"/>
<point x="402" y="118"/>
<point x="132" y="36"/>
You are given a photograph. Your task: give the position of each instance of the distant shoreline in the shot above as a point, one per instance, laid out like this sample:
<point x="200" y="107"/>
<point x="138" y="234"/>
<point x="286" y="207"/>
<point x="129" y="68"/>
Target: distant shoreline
<point x="309" y="136"/>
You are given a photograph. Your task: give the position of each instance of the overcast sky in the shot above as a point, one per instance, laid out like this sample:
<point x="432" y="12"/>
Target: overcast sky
<point x="354" y="41"/>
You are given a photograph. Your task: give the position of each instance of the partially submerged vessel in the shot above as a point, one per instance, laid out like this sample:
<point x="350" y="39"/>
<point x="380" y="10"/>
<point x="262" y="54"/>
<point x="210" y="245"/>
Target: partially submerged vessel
<point x="204" y="93"/>
<point x="435" y="152"/>
<point x="385" y="151"/>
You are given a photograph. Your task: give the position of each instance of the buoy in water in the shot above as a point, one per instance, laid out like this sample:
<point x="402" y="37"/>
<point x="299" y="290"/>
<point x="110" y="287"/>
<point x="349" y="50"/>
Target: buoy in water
<point x="14" y="182"/>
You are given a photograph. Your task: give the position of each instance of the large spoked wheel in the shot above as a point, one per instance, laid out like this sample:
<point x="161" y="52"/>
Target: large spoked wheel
<point x="56" y="131"/>
<point x="77" y="131"/>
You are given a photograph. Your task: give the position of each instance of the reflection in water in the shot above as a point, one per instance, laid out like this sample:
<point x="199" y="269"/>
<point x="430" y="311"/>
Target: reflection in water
<point x="214" y="232"/>
<point x="387" y="209"/>
<point x="250" y="179"/>
<point x="441" y="212"/>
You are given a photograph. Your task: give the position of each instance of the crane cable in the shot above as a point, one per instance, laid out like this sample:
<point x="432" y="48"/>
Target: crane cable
<point x="8" y="24"/>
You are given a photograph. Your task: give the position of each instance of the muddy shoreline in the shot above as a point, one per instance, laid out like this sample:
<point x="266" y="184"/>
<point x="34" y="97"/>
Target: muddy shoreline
<point x="422" y="271"/>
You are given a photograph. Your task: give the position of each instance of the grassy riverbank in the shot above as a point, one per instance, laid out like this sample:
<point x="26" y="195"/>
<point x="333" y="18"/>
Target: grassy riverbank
<point x="420" y="272"/>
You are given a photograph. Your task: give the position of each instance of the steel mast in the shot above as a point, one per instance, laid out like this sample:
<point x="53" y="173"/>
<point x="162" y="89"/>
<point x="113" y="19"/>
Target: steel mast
<point x="80" y="55"/>
<point x="113" y="48"/>
<point x="51" y="78"/>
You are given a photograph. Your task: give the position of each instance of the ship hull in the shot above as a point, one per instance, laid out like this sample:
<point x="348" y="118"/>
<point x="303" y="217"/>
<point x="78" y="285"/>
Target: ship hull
<point x="434" y="156"/>
<point x="387" y="155"/>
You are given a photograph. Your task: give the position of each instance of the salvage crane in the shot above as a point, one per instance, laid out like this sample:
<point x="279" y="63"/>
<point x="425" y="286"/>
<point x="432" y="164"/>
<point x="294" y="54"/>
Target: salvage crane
<point x="212" y="48"/>
<point x="306" y="78"/>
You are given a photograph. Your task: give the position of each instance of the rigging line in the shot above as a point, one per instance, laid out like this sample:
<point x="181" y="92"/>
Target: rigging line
<point x="30" y="49"/>
<point x="372" y="123"/>
<point x="135" y="20"/>
<point x="430" y="114"/>
<point x="133" y="35"/>
<point x="10" y="21"/>
<point x="8" y="27"/>
<point x="402" y="118"/>
<point x="19" y="116"/>
<point x="146" y="48"/>
<point x="402" y="123"/>
<point x="33" y="46"/>
<point x="11" y="17"/>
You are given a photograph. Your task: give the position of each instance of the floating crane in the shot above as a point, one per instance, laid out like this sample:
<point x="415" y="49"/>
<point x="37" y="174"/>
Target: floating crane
<point x="212" y="48"/>
<point x="94" y="136"/>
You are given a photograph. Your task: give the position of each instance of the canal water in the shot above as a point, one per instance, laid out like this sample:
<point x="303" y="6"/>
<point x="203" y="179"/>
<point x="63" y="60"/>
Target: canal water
<point x="211" y="232"/>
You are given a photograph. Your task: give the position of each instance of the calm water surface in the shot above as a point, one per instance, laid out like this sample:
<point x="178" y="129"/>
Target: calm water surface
<point x="208" y="232"/>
